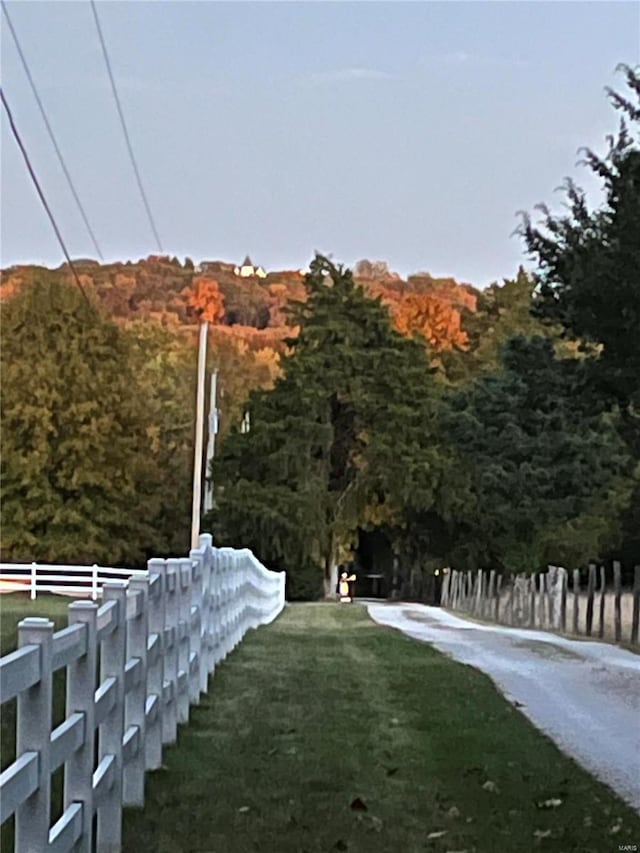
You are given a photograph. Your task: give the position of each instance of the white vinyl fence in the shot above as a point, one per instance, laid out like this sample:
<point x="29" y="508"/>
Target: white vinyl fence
<point x="37" y="578"/>
<point x="155" y="641"/>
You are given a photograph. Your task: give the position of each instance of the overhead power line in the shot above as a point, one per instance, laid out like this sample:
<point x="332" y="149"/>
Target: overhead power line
<point x="36" y="183"/>
<point x="124" y="125"/>
<point x="52" y="137"/>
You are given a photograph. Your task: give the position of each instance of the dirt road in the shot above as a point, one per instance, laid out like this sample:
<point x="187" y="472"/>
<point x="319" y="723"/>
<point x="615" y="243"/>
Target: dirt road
<point x="584" y="695"/>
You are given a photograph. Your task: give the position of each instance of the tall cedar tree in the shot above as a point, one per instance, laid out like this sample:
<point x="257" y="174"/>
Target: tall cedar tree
<point x="73" y="432"/>
<point x="345" y="438"/>
<point x="589" y="279"/>
<point x="548" y="476"/>
<point x="589" y="261"/>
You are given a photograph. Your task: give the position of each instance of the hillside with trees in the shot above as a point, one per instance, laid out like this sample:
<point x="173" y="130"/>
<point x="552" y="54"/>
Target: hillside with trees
<point x="405" y="423"/>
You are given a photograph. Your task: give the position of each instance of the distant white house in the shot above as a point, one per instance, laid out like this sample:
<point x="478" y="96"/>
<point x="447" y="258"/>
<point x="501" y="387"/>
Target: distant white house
<point x="247" y="269"/>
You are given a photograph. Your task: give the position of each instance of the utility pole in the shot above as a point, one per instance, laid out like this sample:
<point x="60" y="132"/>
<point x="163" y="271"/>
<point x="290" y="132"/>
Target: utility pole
<point x="197" y="453"/>
<point x="211" y="444"/>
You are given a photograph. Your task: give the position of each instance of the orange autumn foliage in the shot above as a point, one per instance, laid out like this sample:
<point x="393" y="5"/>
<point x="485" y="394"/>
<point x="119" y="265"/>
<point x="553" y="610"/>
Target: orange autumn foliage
<point x="205" y="299"/>
<point x="436" y="319"/>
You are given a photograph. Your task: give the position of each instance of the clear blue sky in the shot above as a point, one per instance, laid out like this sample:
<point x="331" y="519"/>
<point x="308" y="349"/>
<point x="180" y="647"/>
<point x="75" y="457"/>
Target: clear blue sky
<point x="410" y="132"/>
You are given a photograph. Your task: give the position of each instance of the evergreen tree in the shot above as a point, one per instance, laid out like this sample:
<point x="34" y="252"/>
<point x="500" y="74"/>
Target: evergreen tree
<point x="74" y="431"/>
<point x="589" y="261"/>
<point x="549" y="477"/>
<point x="343" y="440"/>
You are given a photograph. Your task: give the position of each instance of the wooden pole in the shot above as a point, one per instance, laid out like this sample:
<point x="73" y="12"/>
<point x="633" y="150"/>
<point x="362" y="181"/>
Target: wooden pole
<point x="199" y="438"/>
<point x="211" y="442"/>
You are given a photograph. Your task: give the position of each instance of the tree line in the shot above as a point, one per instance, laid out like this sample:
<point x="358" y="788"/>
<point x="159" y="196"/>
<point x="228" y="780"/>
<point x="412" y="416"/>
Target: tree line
<point x="450" y="426"/>
<point x="520" y="449"/>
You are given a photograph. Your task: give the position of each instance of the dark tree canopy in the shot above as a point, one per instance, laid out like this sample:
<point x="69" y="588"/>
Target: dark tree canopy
<point x="589" y="261"/>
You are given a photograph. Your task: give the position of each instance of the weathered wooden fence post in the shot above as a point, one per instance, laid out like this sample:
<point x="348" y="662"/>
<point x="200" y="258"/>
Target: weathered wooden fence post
<point x="576" y="599"/>
<point x="591" y="586"/>
<point x="547" y="600"/>
<point x="636" y="605"/>
<point x="511" y="601"/>
<point x="541" y="600"/>
<point x="111" y="731"/>
<point x="136" y="700"/>
<point x="563" y="599"/>
<point x="491" y="594"/>
<point x="477" y="598"/>
<point x="603" y="590"/>
<point x="532" y="600"/>
<point x="34" y="736"/>
<point x="497" y="598"/>
<point x="444" y="595"/>
<point x="617" y="590"/>
<point x="81" y="686"/>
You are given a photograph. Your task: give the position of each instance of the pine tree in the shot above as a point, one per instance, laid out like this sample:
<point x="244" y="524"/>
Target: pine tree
<point x="342" y="441"/>
<point x="74" y="432"/>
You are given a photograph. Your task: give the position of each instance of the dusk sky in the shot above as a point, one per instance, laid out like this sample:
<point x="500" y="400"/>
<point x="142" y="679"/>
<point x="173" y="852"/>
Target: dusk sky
<point x="409" y="132"/>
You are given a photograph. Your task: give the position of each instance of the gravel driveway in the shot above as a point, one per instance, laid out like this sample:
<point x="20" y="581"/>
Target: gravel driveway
<point x="584" y="695"/>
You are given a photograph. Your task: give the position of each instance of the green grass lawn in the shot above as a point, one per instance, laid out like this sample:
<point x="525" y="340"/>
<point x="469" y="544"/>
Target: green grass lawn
<point x="327" y="732"/>
<point x="323" y="709"/>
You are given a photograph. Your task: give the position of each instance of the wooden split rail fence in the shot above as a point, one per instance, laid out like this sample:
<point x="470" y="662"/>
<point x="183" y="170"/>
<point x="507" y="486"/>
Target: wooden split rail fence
<point x="544" y="600"/>
<point x="134" y="666"/>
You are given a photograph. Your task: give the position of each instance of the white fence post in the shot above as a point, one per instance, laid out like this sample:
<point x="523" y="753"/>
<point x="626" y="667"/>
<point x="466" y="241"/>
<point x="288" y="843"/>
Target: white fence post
<point x="171" y="617"/>
<point x="157" y="637"/>
<point x="207" y="612"/>
<point x="226" y="601"/>
<point x="33" y="581"/>
<point x="196" y="617"/>
<point x="81" y="685"/>
<point x="218" y="611"/>
<point x="184" y="623"/>
<point x="136" y="699"/>
<point x="34" y="735"/>
<point x="155" y="668"/>
<point x="112" y="663"/>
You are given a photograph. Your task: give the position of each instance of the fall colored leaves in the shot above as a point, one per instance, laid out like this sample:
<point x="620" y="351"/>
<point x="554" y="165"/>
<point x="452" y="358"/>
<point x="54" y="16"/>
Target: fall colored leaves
<point x="205" y="299"/>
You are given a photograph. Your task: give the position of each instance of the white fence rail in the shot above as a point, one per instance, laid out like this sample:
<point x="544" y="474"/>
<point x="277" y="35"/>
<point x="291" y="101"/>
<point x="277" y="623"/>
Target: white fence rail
<point x="62" y="580"/>
<point x="156" y="639"/>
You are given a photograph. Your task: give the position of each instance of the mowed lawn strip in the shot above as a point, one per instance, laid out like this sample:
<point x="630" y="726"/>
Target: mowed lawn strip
<point x="325" y="731"/>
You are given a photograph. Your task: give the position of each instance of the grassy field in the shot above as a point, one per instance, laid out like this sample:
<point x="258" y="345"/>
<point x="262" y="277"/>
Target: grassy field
<point x="326" y="732"/>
